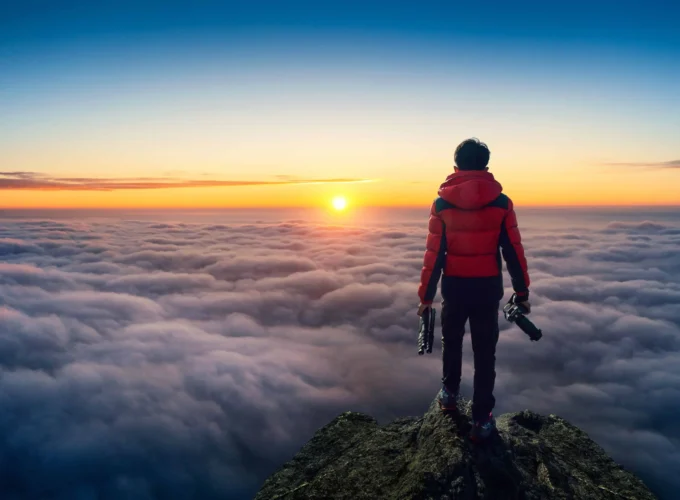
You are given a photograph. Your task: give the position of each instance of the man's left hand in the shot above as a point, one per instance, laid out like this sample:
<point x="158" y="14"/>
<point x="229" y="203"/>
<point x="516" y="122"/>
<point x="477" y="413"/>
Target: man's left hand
<point x="422" y="308"/>
<point x="526" y="305"/>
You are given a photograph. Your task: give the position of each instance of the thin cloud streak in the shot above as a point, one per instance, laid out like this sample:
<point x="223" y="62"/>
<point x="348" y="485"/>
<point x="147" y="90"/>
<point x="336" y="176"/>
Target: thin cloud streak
<point x="659" y="164"/>
<point x="37" y="182"/>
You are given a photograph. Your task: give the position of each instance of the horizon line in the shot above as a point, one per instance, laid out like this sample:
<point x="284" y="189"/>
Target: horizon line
<point x="323" y="207"/>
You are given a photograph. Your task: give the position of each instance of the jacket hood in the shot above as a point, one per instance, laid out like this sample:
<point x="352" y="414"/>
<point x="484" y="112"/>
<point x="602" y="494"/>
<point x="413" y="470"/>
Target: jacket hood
<point x="470" y="190"/>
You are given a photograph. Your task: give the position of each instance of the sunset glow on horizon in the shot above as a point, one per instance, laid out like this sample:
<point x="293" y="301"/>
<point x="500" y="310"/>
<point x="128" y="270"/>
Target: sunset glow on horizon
<point x="339" y="203"/>
<point x="582" y="188"/>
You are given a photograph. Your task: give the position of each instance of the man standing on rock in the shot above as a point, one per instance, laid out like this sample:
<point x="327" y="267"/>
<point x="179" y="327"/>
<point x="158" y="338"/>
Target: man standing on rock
<point x="471" y="224"/>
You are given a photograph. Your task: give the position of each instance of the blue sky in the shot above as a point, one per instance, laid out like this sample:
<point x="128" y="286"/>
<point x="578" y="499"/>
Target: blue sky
<point x="649" y="24"/>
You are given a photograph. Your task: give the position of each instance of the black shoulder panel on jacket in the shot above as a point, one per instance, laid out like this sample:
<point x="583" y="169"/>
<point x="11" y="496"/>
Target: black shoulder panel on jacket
<point x="501" y="202"/>
<point x="441" y="204"/>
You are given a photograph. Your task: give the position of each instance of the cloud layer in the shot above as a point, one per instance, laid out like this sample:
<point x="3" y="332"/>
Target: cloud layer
<point x="146" y="359"/>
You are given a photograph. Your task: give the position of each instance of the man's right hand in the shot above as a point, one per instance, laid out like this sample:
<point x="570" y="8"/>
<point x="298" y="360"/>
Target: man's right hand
<point x="422" y="308"/>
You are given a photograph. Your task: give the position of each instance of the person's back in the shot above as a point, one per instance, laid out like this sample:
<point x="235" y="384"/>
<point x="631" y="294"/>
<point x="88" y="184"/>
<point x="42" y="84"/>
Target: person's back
<point x="472" y="224"/>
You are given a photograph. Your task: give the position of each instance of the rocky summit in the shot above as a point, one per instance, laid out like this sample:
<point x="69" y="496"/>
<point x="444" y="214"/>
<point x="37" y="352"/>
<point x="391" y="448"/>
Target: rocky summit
<point x="531" y="457"/>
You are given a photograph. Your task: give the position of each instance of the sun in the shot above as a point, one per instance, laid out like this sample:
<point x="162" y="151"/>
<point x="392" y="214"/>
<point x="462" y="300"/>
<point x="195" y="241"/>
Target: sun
<point x="339" y="203"/>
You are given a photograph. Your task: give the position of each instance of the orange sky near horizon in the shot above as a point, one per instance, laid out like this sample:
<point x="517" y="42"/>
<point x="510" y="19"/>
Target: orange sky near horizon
<point x="584" y="186"/>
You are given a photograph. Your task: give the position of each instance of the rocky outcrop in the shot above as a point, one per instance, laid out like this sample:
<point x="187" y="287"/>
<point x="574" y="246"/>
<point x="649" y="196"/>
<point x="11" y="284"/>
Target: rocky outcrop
<point x="532" y="457"/>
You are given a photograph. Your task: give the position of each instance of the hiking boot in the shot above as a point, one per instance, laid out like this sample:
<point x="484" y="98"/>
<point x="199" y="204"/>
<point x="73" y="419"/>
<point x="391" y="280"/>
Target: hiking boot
<point x="483" y="429"/>
<point x="447" y="400"/>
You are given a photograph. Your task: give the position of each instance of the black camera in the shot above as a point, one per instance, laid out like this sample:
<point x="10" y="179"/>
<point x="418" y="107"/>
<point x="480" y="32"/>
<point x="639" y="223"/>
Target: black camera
<point x="516" y="314"/>
<point x="426" y="330"/>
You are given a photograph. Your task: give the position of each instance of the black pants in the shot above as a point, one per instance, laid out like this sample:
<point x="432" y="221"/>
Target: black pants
<point x="483" y="316"/>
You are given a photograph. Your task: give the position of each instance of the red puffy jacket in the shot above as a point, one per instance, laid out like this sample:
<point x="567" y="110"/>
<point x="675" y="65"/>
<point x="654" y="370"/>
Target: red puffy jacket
<point x="470" y="223"/>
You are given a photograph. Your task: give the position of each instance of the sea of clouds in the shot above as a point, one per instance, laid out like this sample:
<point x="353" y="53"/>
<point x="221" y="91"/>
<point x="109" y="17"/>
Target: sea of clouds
<point x="152" y="359"/>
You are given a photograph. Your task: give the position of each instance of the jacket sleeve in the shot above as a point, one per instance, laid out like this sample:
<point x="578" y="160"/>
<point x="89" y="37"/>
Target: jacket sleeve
<point x="513" y="253"/>
<point x="435" y="257"/>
